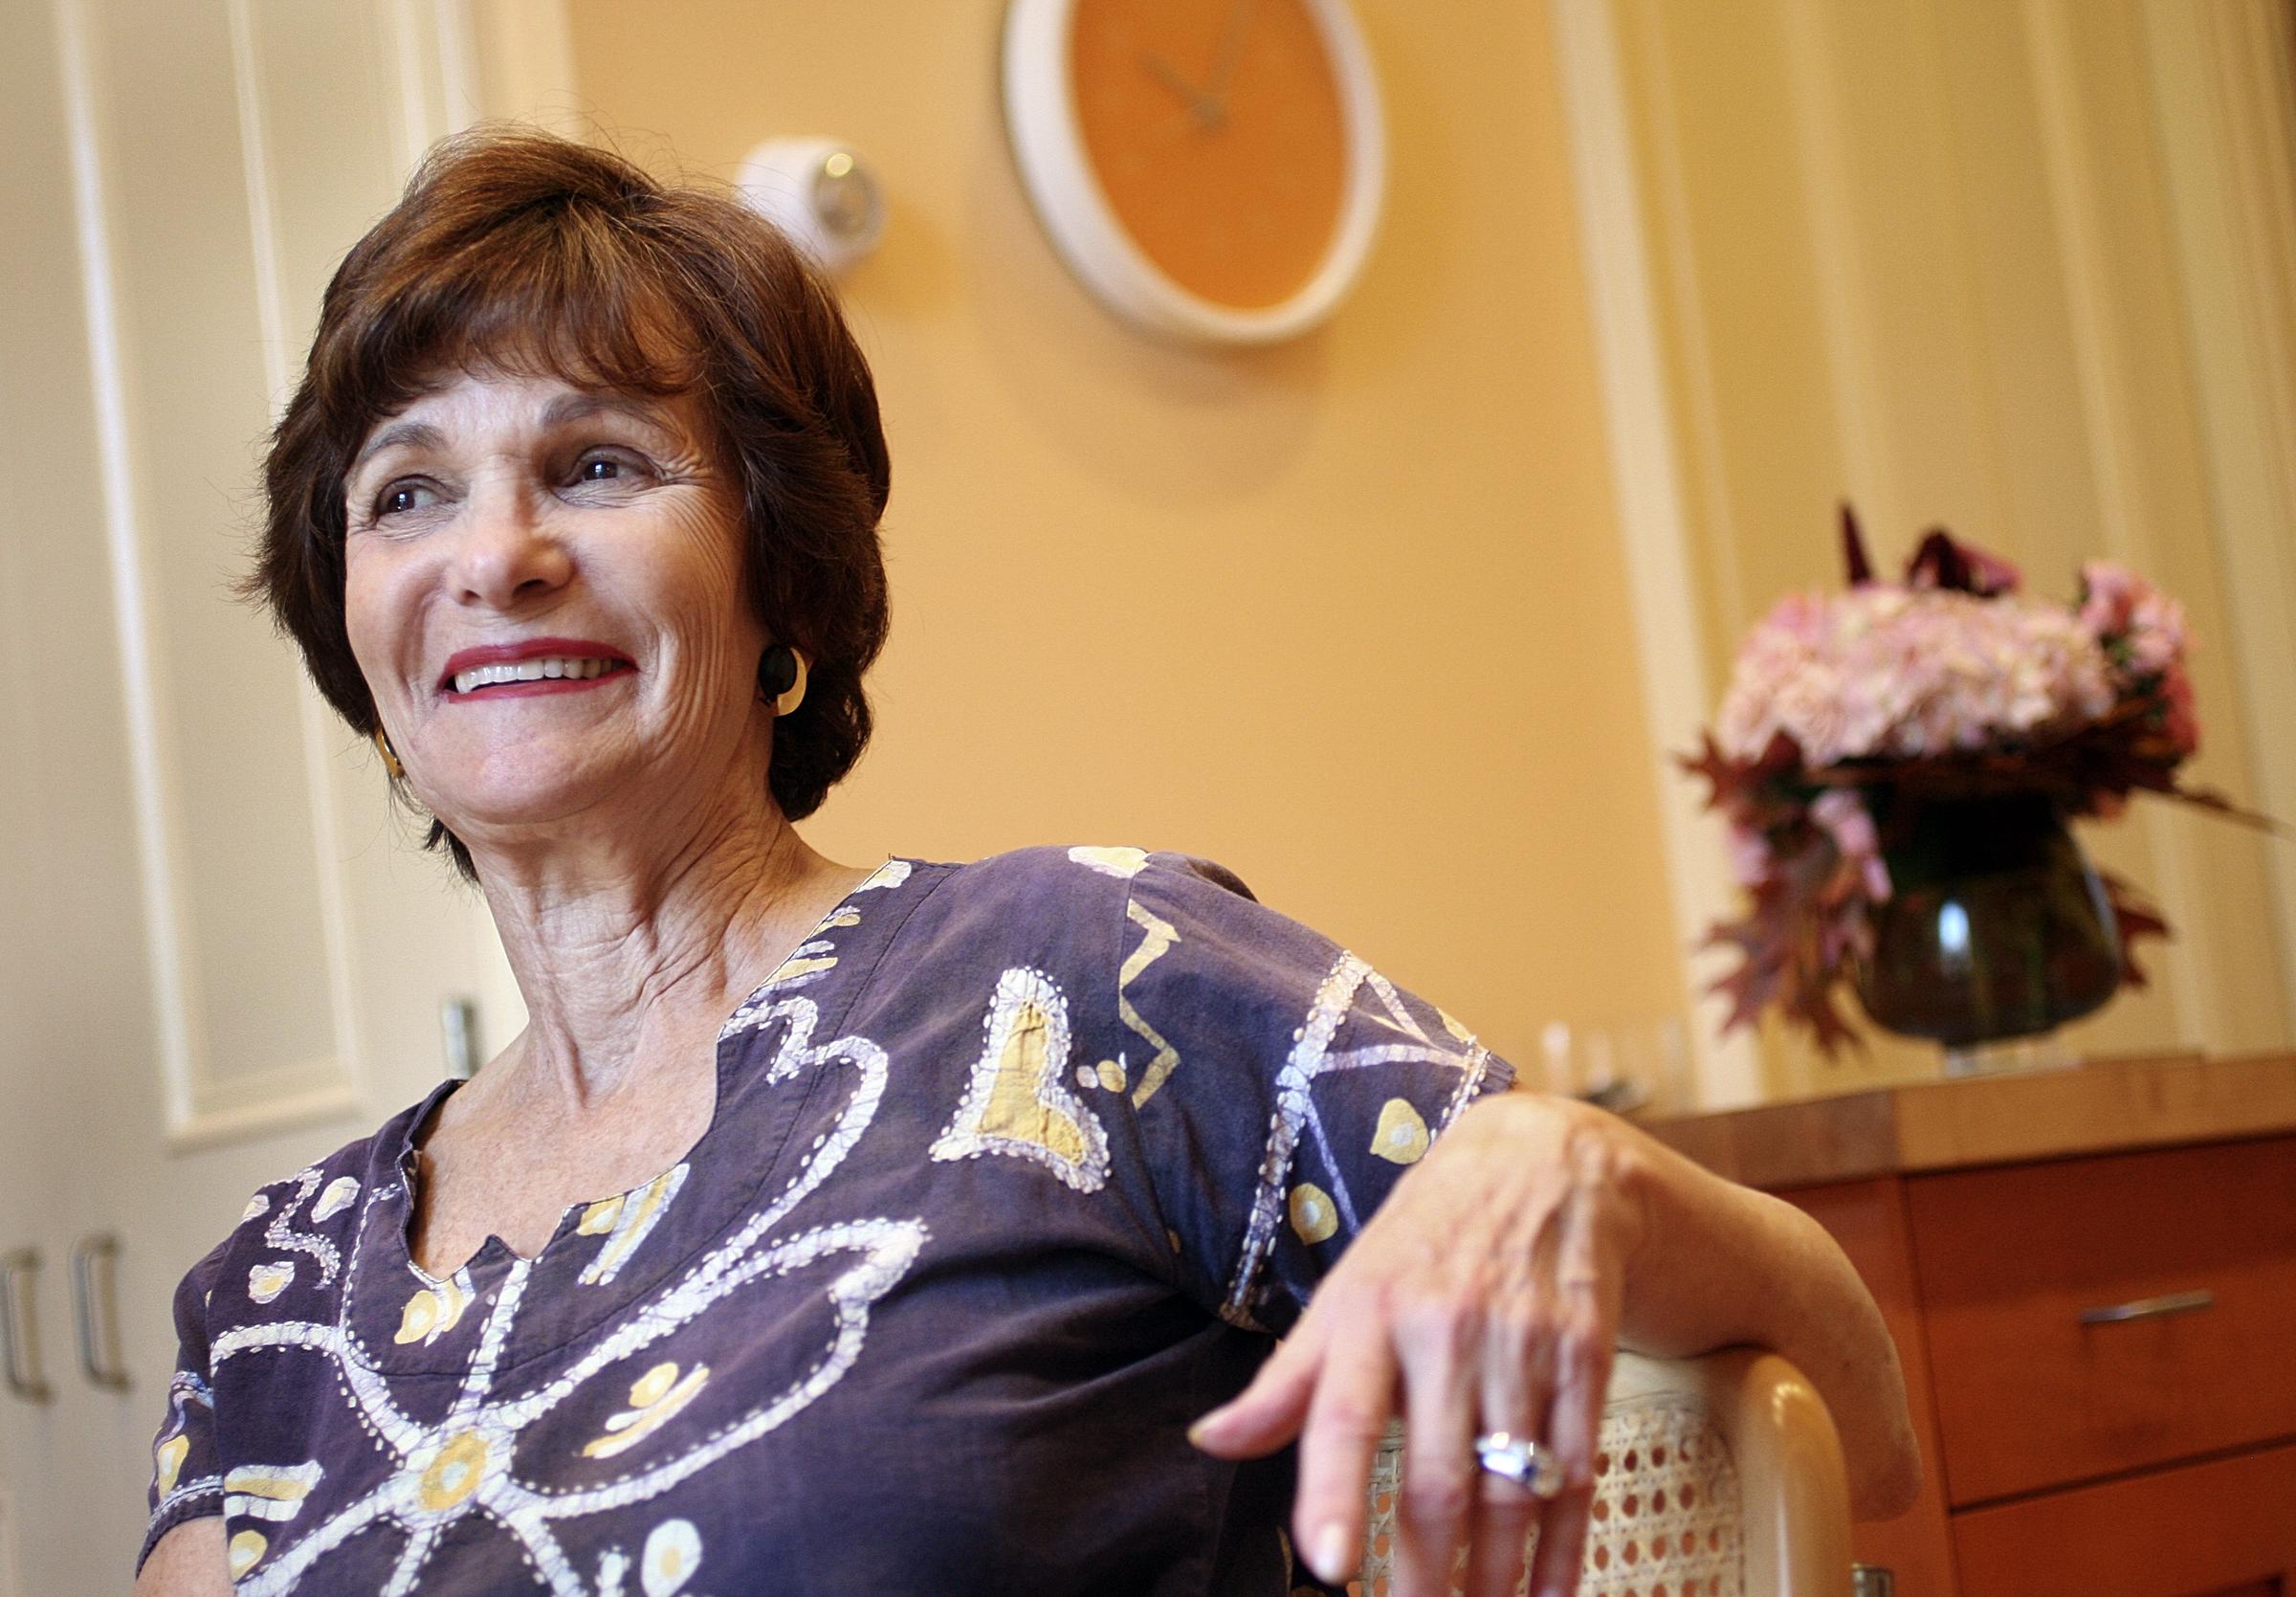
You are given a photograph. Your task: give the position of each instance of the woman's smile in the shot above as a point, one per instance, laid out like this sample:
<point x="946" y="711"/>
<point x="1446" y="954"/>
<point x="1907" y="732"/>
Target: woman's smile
<point x="533" y="666"/>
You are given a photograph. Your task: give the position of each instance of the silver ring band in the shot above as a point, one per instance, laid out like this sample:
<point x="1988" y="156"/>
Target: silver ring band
<point x="1521" y="1460"/>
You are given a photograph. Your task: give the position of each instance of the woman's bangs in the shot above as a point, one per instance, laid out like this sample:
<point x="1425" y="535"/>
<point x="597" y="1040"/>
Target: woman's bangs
<point x="590" y="310"/>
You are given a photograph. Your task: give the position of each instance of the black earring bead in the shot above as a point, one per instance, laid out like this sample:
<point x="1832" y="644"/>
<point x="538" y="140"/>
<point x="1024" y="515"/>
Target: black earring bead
<point x="776" y="672"/>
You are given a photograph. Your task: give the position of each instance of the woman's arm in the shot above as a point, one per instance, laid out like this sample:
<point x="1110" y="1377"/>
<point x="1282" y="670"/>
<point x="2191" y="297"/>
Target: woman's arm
<point x="1721" y="1265"/>
<point x="187" y="1562"/>
<point x="1489" y="1294"/>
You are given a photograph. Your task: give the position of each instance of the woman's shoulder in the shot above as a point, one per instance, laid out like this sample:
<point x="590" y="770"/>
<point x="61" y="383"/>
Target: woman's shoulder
<point x="1125" y="920"/>
<point x="1074" y="912"/>
<point x="307" y="1216"/>
<point x="1081" y="872"/>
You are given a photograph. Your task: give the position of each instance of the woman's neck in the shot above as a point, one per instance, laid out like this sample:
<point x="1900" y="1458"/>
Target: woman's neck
<point x="625" y="958"/>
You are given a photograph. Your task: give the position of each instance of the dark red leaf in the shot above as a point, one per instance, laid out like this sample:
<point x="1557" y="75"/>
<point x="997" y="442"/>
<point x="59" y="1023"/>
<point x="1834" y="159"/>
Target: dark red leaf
<point x="1853" y="548"/>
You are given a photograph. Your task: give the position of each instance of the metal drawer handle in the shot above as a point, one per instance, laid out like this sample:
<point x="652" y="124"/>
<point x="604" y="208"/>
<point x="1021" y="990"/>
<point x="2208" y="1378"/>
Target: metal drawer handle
<point x="19" y="1350"/>
<point x="2151" y="1308"/>
<point x="98" y="1342"/>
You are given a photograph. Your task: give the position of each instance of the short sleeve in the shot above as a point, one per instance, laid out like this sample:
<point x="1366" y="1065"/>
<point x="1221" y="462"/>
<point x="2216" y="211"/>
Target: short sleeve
<point x="1282" y="1084"/>
<point x="187" y="1475"/>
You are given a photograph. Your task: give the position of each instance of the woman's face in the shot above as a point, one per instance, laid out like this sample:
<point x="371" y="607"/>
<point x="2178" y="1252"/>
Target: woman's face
<point x="543" y="590"/>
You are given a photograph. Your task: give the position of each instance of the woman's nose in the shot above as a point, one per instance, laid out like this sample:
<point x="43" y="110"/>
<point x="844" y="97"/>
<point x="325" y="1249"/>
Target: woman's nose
<point x="507" y="556"/>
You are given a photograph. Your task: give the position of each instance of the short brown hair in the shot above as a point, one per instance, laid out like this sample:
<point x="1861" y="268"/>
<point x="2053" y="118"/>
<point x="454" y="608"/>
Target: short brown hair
<point x="514" y="249"/>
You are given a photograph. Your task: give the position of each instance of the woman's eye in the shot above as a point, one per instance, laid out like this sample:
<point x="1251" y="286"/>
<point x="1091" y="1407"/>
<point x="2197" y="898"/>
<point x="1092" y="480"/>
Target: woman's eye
<point x="401" y="499"/>
<point x="605" y="468"/>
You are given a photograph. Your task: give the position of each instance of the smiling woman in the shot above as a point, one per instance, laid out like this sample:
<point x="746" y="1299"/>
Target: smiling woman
<point x="476" y="511"/>
<point x="505" y="266"/>
<point x="851" y="1228"/>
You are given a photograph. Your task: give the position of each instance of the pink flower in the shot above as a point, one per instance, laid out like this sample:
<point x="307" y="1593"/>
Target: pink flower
<point x="1749" y="855"/>
<point x="1841" y="815"/>
<point x="2108" y="593"/>
<point x="1886" y="673"/>
<point x="1804" y="617"/>
<point x="2141" y="629"/>
<point x="2156" y="635"/>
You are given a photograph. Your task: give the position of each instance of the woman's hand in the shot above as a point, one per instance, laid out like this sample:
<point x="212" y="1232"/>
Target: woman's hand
<point x="1485" y="1294"/>
<point x="1488" y="1292"/>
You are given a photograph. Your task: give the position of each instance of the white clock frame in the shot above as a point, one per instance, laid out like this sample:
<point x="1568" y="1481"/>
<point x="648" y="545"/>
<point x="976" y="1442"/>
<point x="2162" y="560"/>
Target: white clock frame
<point x="1040" y="117"/>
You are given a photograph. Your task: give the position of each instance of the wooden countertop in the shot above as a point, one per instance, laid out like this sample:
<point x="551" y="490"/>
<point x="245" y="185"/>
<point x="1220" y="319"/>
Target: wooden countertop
<point x="1992" y="1119"/>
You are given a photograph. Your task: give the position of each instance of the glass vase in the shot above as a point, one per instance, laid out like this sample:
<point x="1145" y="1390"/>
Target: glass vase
<point x="1996" y="928"/>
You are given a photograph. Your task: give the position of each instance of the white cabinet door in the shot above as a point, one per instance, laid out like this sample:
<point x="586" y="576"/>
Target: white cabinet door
<point x="76" y="994"/>
<point x="220" y="954"/>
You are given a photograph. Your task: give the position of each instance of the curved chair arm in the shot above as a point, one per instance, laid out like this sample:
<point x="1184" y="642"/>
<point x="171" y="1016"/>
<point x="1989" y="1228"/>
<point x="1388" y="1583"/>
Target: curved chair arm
<point x="1792" y="1486"/>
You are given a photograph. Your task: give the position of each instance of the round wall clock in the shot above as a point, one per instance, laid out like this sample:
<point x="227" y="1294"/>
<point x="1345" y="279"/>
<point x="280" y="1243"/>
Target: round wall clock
<point x="1210" y="170"/>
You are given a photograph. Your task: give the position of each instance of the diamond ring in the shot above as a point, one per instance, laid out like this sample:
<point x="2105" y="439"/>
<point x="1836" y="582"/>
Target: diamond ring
<point x="1521" y="1460"/>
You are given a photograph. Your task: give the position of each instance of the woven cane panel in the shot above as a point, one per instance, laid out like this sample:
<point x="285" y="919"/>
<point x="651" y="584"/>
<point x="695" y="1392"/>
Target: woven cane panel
<point x="1664" y="1522"/>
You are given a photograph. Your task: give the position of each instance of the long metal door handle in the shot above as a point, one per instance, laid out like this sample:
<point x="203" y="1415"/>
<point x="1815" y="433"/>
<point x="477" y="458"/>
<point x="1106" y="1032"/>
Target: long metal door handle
<point x="99" y="1333"/>
<point x="19" y="1346"/>
<point x="2151" y="1308"/>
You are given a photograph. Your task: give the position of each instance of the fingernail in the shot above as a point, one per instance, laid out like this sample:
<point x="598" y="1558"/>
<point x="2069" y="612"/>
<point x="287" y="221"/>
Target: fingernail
<point x="1331" y="1554"/>
<point x="1214" y="1420"/>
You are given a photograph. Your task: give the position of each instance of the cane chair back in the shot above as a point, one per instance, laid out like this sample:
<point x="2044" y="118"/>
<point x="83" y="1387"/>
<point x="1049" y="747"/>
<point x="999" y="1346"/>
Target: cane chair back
<point x="1717" y="1476"/>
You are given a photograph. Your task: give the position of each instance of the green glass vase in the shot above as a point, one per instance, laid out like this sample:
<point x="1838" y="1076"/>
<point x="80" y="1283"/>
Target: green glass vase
<point x="1995" y="926"/>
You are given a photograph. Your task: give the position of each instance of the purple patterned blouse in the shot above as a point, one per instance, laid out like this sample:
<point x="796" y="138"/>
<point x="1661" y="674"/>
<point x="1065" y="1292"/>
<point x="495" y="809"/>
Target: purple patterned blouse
<point x="1016" y="1168"/>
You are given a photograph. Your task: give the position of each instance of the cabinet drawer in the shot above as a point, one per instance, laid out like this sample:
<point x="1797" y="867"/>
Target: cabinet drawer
<point x="2227" y="1527"/>
<point x="2029" y="1393"/>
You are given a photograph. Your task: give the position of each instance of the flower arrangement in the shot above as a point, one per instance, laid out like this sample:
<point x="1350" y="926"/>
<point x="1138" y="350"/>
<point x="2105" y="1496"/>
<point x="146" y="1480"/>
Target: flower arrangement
<point x="1948" y="684"/>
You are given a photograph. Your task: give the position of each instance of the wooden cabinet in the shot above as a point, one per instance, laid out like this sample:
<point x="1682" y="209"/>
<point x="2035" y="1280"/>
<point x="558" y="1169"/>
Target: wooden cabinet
<point x="2213" y="1529"/>
<point x="2099" y="1336"/>
<point x="2097" y="1316"/>
<point x="2134" y="1455"/>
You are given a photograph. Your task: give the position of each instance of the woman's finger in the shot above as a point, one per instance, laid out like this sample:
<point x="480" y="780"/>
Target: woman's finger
<point x="1574" y="1428"/>
<point x="1587" y="1291"/>
<point x="1271" y="1411"/>
<point x="1517" y="1383"/>
<point x="1355" y="1393"/>
<point x="1439" y="1347"/>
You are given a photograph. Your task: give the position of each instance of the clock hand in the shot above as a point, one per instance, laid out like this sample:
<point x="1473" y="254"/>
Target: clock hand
<point x="1206" y="114"/>
<point x="1230" y="56"/>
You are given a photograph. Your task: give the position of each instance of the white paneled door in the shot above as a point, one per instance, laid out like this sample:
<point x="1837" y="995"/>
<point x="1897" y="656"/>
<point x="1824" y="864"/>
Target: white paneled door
<point x="220" y="954"/>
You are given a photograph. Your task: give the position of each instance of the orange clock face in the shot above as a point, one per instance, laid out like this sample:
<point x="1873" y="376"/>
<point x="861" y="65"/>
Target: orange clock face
<point x="1216" y="131"/>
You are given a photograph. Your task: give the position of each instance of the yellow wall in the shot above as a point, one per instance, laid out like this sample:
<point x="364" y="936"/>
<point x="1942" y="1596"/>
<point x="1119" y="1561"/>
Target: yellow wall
<point x="1349" y="615"/>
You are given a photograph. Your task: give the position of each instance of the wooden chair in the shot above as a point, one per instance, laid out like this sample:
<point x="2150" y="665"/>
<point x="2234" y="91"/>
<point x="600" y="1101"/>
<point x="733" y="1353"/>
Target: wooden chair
<point x="1718" y="1476"/>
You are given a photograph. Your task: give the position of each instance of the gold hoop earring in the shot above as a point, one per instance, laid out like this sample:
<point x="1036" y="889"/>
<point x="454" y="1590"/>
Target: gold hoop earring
<point x="390" y="760"/>
<point x="787" y="703"/>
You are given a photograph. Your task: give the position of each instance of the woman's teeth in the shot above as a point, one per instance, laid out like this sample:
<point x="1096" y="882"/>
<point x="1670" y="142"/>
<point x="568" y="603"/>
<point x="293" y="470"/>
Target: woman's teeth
<point x="529" y="670"/>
